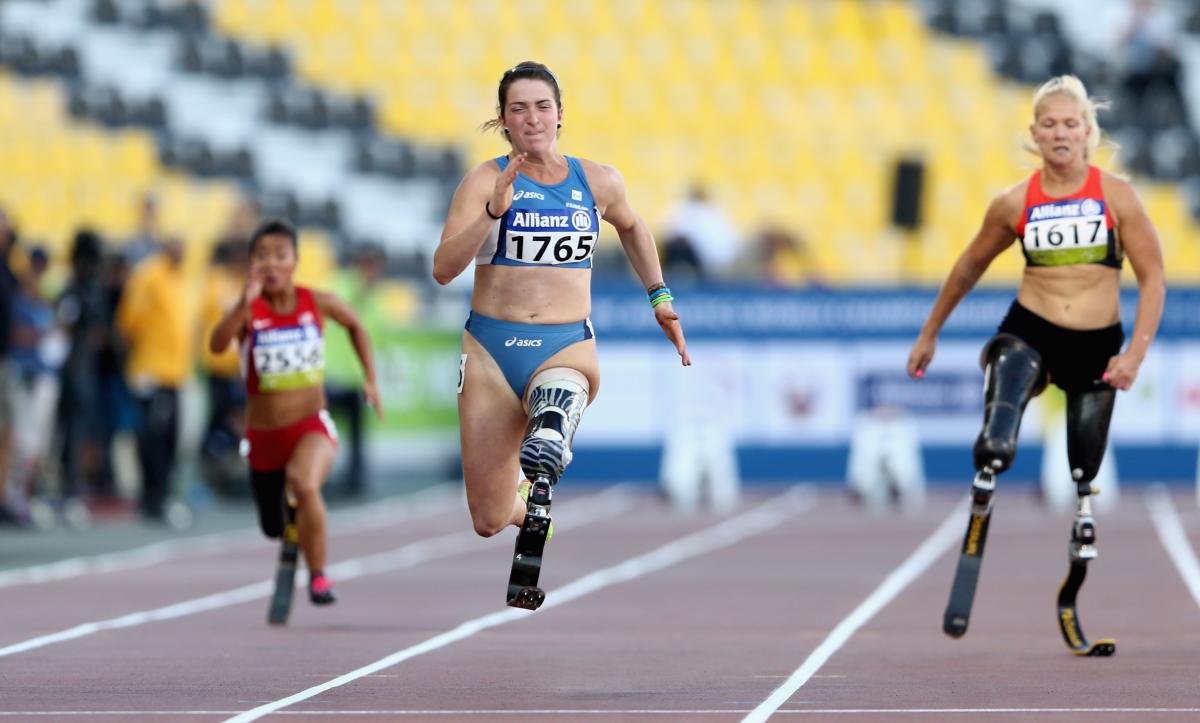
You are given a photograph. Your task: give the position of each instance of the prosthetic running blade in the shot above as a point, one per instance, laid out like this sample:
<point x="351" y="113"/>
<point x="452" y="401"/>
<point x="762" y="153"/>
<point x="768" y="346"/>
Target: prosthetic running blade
<point x="966" y="575"/>
<point x="1082" y="551"/>
<point x="285" y="575"/>
<point x="523" y="591"/>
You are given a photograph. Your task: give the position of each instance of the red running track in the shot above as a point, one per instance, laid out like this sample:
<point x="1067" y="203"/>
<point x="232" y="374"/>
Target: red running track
<point x="706" y="627"/>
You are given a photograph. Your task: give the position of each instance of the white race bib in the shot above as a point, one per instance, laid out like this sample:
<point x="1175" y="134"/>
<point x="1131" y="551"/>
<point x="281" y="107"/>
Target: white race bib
<point x="1062" y="233"/>
<point x="549" y="248"/>
<point x="550" y="236"/>
<point x="289" y="357"/>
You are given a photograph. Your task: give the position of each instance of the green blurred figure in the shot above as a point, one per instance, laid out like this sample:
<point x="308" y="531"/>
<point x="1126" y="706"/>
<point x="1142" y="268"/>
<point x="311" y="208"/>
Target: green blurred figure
<point x="382" y="304"/>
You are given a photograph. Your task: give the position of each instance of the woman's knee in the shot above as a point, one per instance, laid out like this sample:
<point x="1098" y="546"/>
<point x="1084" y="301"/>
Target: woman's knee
<point x="491" y="519"/>
<point x="303" y="490"/>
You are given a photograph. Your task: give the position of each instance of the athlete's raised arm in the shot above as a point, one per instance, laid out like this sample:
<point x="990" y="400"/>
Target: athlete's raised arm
<point x="479" y="201"/>
<point x="233" y="324"/>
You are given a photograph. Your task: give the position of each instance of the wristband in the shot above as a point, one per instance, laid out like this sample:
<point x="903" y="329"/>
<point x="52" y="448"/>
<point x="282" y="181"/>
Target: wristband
<point x="487" y="208"/>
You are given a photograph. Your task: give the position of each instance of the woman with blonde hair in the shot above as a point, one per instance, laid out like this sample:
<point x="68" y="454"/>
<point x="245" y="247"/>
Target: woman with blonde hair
<point x="1076" y="224"/>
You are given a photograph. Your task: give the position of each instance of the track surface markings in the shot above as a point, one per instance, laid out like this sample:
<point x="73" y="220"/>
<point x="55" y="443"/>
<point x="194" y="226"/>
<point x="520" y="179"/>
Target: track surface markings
<point x="930" y="550"/>
<point x="769" y="514"/>
<point x="370" y="516"/>
<point x="602" y="712"/>
<point x="604" y="505"/>
<point x="1174" y="539"/>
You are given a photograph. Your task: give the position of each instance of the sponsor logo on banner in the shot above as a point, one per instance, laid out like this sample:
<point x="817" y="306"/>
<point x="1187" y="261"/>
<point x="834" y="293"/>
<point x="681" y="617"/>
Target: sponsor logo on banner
<point x="936" y="393"/>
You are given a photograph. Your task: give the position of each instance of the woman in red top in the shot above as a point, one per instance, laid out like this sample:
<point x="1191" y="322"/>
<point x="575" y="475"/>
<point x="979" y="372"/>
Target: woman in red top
<point x="292" y="440"/>
<point x="1076" y="224"/>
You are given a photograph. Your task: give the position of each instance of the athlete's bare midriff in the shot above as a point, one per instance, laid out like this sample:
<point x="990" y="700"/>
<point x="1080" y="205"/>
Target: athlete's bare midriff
<point x="274" y="410"/>
<point x="532" y="295"/>
<point x="1083" y="296"/>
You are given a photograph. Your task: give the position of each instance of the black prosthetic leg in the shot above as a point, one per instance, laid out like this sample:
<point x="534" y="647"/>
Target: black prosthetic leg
<point x="1013" y="376"/>
<point x="966" y="575"/>
<point x="1088" y="416"/>
<point x="523" y="591"/>
<point x="554" y="413"/>
<point x="285" y="575"/>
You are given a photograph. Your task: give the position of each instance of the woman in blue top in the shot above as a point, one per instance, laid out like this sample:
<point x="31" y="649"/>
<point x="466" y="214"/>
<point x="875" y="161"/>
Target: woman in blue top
<point x="530" y="222"/>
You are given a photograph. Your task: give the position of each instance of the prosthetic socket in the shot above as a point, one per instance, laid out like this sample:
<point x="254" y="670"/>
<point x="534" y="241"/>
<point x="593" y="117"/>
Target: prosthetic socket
<point x="1013" y="376"/>
<point x="556" y="405"/>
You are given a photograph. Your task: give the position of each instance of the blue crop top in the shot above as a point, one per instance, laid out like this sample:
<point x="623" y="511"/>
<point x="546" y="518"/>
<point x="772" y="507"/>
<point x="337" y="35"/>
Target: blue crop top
<point x="554" y="225"/>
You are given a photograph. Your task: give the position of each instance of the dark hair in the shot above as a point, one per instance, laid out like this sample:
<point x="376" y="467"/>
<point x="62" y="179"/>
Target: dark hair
<point x="87" y="249"/>
<point x="273" y="226"/>
<point x="526" y="69"/>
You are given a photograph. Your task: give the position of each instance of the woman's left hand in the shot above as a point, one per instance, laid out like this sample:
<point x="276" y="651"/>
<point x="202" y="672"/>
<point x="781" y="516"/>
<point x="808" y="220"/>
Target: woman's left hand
<point x="371" y="395"/>
<point x="669" y="321"/>
<point x="1122" y="370"/>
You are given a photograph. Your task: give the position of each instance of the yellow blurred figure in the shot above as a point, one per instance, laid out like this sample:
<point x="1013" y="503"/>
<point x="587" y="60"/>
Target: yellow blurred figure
<point x="155" y="317"/>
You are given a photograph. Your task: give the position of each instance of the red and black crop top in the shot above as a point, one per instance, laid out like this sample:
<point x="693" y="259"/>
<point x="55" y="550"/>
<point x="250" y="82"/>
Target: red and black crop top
<point x="1074" y="229"/>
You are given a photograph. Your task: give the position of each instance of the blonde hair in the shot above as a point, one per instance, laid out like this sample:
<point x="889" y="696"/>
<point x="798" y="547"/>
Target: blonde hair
<point x="1073" y="88"/>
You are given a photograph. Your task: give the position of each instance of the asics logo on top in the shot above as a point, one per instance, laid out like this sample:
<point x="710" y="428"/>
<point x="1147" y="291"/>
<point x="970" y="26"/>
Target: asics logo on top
<point x="528" y="194"/>
<point x="523" y="342"/>
<point x="260" y="324"/>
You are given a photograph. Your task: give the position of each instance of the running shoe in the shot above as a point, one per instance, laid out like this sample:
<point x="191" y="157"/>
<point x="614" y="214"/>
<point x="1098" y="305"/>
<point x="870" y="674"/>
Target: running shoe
<point x="320" y="591"/>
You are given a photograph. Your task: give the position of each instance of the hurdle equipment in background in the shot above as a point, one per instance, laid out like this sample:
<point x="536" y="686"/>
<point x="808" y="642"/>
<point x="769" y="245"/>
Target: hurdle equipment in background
<point x="885" y="464"/>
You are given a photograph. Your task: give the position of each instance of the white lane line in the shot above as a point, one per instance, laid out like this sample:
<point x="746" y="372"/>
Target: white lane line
<point x="370" y="516"/>
<point x="1174" y="538"/>
<point x="602" y="711"/>
<point x="603" y="505"/>
<point x="930" y="550"/>
<point x="735" y="529"/>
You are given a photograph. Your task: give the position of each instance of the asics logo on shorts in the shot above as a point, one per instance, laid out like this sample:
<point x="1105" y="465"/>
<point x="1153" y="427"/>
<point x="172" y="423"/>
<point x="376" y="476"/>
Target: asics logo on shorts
<point x="523" y="342"/>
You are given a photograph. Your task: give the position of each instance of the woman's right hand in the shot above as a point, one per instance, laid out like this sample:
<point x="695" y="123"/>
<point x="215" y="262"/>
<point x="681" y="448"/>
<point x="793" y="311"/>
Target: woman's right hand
<point x="921" y="355"/>
<point x="502" y="195"/>
<point x="254" y="286"/>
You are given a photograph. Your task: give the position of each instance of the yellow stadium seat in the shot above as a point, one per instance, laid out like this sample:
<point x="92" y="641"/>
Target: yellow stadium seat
<point x="831" y="92"/>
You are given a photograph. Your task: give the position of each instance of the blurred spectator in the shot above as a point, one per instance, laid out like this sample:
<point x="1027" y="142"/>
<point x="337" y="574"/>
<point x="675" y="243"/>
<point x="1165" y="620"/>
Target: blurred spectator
<point x="223" y="466"/>
<point x="784" y="260"/>
<point x="38" y="350"/>
<point x="699" y="236"/>
<point x="8" y="291"/>
<point x="83" y="311"/>
<point x="155" y="319"/>
<point x="1152" y="71"/>
<point x="241" y="223"/>
<point x="147" y="239"/>
<point x="361" y="286"/>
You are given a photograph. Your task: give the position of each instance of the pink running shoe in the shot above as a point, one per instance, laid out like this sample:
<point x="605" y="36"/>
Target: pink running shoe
<point x="320" y="592"/>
